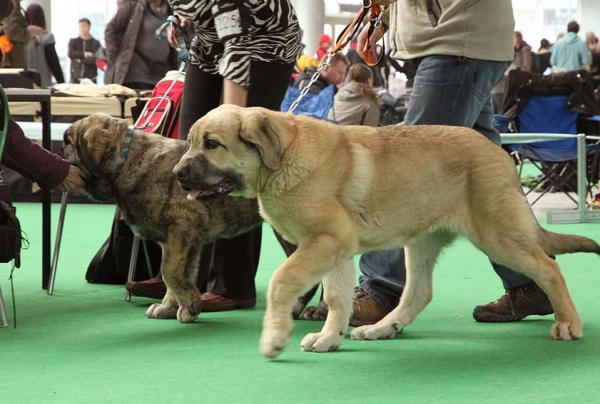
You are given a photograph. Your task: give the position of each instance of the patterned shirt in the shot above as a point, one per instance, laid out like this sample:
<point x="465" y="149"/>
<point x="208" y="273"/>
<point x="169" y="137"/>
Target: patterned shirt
<point x="272" y="35"/>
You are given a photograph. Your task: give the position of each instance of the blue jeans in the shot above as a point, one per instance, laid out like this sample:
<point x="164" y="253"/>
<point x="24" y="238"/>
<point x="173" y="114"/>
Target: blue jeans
<point x="448" y="90"/>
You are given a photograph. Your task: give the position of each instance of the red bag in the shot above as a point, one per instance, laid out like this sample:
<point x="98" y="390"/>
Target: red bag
<point x="161" y="112"/>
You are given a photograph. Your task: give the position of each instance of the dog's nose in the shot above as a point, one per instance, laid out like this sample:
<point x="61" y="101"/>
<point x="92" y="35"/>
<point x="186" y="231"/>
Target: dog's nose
<point x="181" y="173"/>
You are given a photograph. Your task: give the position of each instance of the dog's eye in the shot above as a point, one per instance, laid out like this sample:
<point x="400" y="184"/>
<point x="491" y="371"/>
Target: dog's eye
<point x="211" y="143"/>
<point x="66" y="141"/>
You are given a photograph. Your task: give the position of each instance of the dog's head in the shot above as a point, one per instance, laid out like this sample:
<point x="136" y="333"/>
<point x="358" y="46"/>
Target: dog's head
<point x="229" y="147"/>
<point x="93" y="144"/>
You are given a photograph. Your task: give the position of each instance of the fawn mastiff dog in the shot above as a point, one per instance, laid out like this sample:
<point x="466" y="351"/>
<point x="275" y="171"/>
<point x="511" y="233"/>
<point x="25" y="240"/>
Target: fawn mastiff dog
<point x="135" y="169"/>
<point x="336" y="191"/>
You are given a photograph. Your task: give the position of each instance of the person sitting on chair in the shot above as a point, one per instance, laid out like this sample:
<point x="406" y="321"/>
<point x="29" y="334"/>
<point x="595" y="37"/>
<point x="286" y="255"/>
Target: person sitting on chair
<point x="332" y="75"/>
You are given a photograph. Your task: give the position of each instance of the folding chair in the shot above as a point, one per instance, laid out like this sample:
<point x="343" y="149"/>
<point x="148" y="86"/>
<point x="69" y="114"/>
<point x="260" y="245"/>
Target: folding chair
<point x="315" y="105"/>
<point x="557" y="159"/>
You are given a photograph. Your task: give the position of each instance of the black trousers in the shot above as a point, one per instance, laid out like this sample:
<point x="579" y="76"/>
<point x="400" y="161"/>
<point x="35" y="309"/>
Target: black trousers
<point x="228" y="266"/>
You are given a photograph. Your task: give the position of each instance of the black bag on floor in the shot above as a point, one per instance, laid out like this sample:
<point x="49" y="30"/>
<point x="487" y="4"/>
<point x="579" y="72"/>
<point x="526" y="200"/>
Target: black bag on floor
<point x="10" y="228"/>
<point x="110" y="265"/>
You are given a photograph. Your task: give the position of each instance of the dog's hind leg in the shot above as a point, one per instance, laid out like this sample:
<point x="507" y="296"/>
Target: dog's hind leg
<point x="421" y="256"/>
<point x="337" y="286"/>
<point x="179" y="267"/>
<point x="545" y="272"/>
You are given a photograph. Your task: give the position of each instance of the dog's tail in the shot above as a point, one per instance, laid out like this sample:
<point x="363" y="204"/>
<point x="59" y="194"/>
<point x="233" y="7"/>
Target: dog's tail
<point x="555" y="244"/>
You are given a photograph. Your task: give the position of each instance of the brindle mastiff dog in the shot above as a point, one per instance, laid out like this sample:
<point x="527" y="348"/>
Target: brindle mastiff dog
<point x="336" y="191"/>
<point x="154" y="205"/>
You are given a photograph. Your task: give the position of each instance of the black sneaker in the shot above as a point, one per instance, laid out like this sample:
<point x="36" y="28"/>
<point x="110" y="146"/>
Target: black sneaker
<point x="515" y="305"/>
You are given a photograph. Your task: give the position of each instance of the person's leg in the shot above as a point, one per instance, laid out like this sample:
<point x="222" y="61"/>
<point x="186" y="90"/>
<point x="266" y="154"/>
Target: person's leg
<point x="235" y="261"/>
<point x="447" y="90"/>
<point x="523" y="297"/>
<point x="275" y="77"/>
<point x="269" y="82"/>
<point x="236" y="271"/>
<point x="201" y="93"/>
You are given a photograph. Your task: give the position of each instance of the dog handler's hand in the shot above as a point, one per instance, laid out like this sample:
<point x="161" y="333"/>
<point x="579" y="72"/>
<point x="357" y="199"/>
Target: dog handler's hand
<point x="74" y="180"/>
<point x="361" y="43"/>
<point x="173" y="34"/>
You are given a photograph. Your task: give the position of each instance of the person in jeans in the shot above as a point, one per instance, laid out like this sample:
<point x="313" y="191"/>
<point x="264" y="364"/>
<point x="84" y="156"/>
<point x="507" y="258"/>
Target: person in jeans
<point x="459" y="53"/>
<point x="250" y="67"/>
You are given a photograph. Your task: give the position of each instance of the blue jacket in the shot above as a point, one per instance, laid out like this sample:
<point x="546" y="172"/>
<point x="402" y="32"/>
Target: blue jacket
<point x="570" y="53"/>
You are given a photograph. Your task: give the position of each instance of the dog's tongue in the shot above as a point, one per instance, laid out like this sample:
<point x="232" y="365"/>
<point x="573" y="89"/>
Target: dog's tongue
<point x="193" y="194"/>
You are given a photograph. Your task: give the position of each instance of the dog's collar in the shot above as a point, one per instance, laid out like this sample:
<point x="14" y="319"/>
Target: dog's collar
<point x="124" y="149"/>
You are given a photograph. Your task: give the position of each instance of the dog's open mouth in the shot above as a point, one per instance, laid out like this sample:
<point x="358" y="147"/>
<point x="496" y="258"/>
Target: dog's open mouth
<point x="221" y="188"/>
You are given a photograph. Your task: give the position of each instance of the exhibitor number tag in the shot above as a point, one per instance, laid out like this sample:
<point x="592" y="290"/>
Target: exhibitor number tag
<point x="228" y="19"/>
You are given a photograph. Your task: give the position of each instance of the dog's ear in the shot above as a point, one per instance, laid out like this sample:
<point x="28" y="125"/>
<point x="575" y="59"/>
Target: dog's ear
<point x="260" y="130"/>
<point x="99" y="145"/>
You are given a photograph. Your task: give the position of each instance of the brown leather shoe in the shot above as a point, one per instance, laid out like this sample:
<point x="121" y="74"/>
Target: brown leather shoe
<point x="212" y="302"/>
<point x="366" y="309"/>
<point x="515" y="305"/>
<point x="154" y="288"/>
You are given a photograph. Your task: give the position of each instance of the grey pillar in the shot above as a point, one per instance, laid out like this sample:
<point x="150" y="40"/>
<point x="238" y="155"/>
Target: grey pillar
<point x="311" y="14"/>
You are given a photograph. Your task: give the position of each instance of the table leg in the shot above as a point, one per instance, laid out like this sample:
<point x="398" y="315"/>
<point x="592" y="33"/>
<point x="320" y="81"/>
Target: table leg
<point x="46" y="201"/>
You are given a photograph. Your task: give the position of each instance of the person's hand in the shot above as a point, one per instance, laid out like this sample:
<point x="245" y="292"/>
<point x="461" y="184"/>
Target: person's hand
<point x="34" y="31"/>
<point x="361" y="42"/>
<point x="173" y="34"/>
<point x="74" y="180"/>
<point x="88" y="54"/>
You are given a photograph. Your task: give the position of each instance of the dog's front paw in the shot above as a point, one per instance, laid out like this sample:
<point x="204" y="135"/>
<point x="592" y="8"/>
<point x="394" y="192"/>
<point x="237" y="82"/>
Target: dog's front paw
<point x="159" y="310"/>
<point x="380" y="330"/>
<point x="321" y="342"/>
<point x="272" y="343"/>
<point x="565" y="331"/>
<point x="188" y="314"/>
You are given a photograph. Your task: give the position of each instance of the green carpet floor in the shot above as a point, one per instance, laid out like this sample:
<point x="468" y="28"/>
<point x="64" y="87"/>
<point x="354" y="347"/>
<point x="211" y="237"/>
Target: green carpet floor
<point x="85" y="344"/>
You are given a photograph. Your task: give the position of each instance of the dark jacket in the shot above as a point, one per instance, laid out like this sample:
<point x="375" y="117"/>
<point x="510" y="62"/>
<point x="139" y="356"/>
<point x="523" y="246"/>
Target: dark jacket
<point x="304" y="78"/>
<point x="82" y="66"/>
<point x="15" y="28"/>
<point x="31" y="160"/>
<point x="524" y="85"/>
<point x="120" y="37"/>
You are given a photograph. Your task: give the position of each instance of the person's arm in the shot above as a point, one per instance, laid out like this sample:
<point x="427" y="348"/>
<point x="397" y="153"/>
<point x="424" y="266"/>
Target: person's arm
<point x="53" y="62"/>
<point x="115" y="29"/>
<point x="586" y="57"/>
<point x="527" y="61"/>
<point x="15" y="26"/>
<point x="38" y="164"/>
<point x="363" y="37"/>
<point x="72" y="52"/>
<point x="91" y="60"/>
